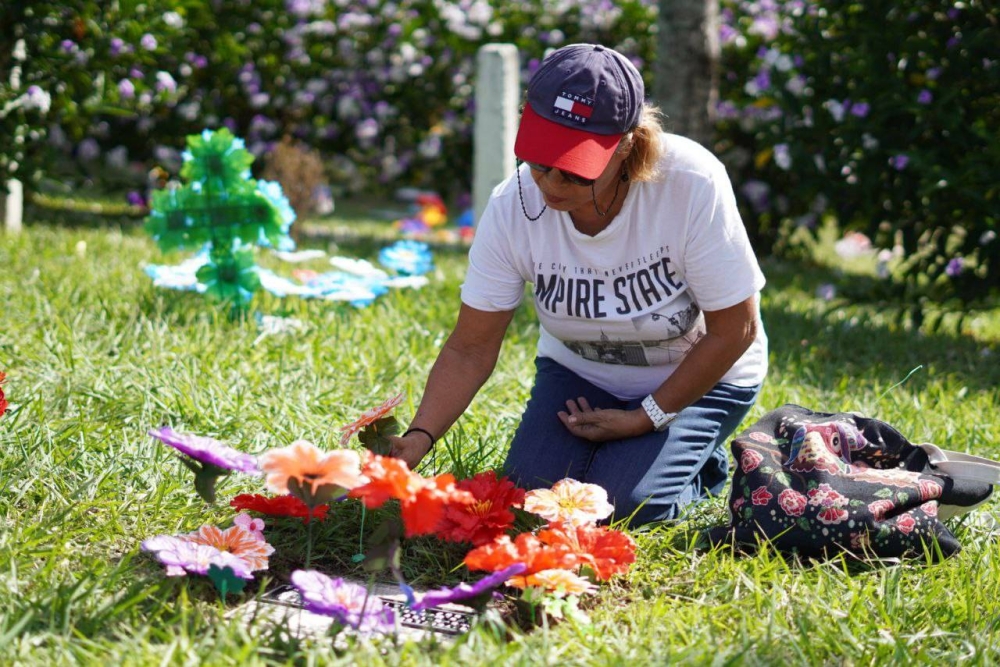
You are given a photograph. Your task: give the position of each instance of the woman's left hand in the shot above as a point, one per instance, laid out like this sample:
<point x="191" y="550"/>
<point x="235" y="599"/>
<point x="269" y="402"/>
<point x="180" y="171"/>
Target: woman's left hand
<point x="599" y="425"/>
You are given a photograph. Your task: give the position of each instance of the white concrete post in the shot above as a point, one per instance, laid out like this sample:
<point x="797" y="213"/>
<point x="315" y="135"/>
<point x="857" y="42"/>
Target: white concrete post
<point x="13" y="195"/>
<point x="498" y="89"/>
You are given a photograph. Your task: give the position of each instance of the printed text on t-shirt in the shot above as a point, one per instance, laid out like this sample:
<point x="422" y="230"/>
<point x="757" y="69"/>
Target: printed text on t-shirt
<point x="594" y="298"/>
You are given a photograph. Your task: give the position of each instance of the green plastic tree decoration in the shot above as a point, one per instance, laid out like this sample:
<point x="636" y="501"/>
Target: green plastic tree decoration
<point x="222" y="208"/>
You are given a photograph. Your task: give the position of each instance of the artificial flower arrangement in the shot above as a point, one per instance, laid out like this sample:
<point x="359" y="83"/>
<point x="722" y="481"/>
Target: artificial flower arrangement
<point x="551" y="566"/>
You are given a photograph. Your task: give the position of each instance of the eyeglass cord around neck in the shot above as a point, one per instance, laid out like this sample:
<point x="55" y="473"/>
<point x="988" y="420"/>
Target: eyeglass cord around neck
<point x="622" y="179"/>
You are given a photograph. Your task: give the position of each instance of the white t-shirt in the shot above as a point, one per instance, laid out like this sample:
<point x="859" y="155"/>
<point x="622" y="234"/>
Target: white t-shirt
<point x="624" y="307"/>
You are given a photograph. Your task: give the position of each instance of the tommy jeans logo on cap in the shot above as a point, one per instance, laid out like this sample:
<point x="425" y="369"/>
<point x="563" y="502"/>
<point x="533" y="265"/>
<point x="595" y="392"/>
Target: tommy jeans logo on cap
<point x="573" y="107"/>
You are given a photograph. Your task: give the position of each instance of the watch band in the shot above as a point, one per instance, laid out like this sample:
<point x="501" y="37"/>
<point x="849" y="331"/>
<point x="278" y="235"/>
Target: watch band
<point x="661" y="420"/>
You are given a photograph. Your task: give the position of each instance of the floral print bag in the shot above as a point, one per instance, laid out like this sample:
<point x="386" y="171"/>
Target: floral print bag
<point x="820" y="483"/>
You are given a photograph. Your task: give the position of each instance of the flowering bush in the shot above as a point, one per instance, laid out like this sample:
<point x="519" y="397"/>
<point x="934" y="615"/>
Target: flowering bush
<point x="883" y="114"/>
<point x="385" y="88"/>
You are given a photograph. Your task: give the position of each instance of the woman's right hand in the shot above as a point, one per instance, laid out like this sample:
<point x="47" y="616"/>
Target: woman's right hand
<point x="411" y="448"/>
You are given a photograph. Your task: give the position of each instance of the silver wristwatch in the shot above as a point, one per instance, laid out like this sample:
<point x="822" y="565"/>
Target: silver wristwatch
<point x="661" y="420"/>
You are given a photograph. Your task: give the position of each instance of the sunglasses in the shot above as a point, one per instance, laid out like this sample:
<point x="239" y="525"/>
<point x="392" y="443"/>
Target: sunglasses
<point x="571" y="177"/>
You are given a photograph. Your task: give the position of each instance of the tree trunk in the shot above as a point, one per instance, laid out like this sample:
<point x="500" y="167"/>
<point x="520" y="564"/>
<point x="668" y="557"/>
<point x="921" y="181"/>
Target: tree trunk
<point x="686" y="80"/>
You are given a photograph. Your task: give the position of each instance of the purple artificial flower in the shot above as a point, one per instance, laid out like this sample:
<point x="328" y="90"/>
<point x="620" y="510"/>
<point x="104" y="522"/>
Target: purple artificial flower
<point x="464" y="591"/>
<point x="925" y="97"/>
<point x="126" y="89"/>
<point x="207" y="450"/>
<point x="860" y="109"/>
<point x="347" y="603"/>
<point x="148" y="42"/>
<point x="954" y="267"/>
<point x="899" y="162"/>
<point x="182" y="556"/>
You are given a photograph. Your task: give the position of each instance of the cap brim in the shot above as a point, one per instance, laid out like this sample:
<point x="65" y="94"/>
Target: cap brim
<point x="579" y="152"/>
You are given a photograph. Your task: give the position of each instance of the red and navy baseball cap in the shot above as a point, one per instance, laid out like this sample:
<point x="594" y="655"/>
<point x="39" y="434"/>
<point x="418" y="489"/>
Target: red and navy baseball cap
<point x="581" y="101"/>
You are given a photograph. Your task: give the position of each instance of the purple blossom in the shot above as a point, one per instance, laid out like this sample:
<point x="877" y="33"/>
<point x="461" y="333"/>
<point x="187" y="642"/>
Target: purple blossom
<point x="757" y="192"/>
<point x="126" y="89"/>
<point x="860" y="109"/>
<point x="135" y="198"/>
<point x="899" y="162"/>
<point x="954" y="267"/>
<point x="726" y="110"/>
<point x="347" y="603"/>
<point x="116" y="46"/>
<point x="933" y="73"/>
<point x="826" y="292"/>
<point x="763" y="80"/>
<point x="88" y="149"/>
<point x="69" y="46"/>
<point x="182" y="556"/>
<point x="464" y="591"/>
<point x="925" y="97"/>
<point x="148" y="42"/>
<point x="165" y="82"/>
<point x="207" y="450"/>
<point x="782" y="156"/>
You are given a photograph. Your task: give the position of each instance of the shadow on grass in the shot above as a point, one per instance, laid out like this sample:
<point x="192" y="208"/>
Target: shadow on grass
<point x="841" y="341"/>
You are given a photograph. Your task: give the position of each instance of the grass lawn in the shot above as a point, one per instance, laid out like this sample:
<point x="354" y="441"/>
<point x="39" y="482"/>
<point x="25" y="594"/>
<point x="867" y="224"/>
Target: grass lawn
<point x="96" y="356"/>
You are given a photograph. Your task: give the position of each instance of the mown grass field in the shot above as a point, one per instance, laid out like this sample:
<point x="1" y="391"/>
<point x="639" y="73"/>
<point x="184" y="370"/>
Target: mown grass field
<point x="96" y="356"/>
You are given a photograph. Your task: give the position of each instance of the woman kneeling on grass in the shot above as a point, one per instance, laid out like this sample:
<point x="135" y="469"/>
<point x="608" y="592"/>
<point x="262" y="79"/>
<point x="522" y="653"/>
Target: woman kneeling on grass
<point x="651" y="349"/>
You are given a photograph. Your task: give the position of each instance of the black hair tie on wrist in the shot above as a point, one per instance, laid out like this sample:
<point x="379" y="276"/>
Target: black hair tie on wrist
<point x="417" y="429"/>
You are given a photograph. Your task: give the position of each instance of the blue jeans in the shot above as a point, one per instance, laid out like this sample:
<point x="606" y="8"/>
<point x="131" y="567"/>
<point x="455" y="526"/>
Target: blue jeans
<point x="648" y="478"/>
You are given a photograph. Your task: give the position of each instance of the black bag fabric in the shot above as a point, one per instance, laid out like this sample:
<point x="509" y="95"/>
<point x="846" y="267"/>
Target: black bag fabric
<point x="820" y="483"/>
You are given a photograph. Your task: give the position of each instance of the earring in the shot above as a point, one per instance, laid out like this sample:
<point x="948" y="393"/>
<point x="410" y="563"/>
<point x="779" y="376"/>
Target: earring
<point x="624" y="176"/>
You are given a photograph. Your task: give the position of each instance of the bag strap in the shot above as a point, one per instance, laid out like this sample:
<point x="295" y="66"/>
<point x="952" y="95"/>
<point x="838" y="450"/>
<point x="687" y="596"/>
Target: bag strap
<point x="962" y="466"/>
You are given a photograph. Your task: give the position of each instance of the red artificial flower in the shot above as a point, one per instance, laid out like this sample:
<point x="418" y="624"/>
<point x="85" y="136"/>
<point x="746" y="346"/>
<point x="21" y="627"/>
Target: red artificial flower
<point x="525" y="548"/>
<point x="422" y="499"/>
<point x="278" y="506"/>
<point x="606" y="551"/>
<point x="488" y="517"/>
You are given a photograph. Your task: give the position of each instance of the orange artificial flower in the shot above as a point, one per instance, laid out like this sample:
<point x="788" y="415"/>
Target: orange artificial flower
<point x="423" y="500"/>
<point x="557" y="581"/>
<point x="606" y="551"/>
<point x="423" y="510"/>
<point x="525" y="548"/>
<point x="303" y="462"/>
<point x="569" y="501"/>
<point x="387" y="478"/>
<point x="369" y="417"/>
<point x="236" y="540"/>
